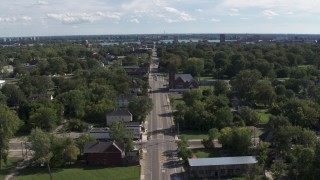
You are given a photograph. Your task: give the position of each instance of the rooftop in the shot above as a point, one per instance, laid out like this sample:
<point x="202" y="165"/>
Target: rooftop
<point x="184" y="77"/>
<point x="101" y="147"/>
<point x="120" y="112"/>
<point x="222" y="161"/>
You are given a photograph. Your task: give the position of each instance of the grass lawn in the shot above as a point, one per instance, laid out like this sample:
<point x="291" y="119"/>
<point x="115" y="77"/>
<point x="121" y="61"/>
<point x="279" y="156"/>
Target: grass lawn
<point x="92" y="173"/>
<point x="264" y="116"/>
<point x="206" y="78"/>
<point x="194" y="134"/>
<point x="206" y="87"/>
<point x="175" y="102"/>
<point x="204" y="153"/>
<point x="11" y="163"/>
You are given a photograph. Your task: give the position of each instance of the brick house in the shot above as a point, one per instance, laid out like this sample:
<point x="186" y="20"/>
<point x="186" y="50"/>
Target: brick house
<point x="104" y="153"/>
<point x="118" y="115"/>
<point x="180" y="82"/>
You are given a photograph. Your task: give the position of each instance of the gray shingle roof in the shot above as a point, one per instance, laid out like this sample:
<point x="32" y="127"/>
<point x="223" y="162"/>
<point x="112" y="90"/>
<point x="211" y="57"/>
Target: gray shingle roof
<point x="120" y="112"/>
<point x="222" y="161"/>
<point x="184" y="77"/>
<point x="101" y="147"/>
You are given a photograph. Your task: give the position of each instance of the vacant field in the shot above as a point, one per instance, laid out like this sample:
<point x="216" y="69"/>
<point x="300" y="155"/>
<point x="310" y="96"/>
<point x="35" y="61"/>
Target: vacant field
<point x="194" y="134"/>
<point x="92" y="173"/>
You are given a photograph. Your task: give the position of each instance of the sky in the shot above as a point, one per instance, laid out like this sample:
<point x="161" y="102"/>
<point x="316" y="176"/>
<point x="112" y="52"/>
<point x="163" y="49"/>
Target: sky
<point x="99" y="17"/>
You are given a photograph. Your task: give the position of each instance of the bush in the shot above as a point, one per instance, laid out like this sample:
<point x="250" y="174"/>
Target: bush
<point x="77" y="125"/>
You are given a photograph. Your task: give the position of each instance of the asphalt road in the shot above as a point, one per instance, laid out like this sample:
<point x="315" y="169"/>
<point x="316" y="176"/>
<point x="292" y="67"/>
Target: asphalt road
<point x="161" y="159"/>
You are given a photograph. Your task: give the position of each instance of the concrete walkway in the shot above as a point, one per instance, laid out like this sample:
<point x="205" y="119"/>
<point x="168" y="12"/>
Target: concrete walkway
<point x="16" y="171"/>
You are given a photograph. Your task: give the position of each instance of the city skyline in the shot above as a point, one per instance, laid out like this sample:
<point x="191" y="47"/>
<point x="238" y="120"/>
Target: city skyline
<point x="91" y="17"/>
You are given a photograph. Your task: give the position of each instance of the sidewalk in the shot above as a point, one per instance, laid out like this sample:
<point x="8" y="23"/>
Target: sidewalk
<point x="23" y="164"/>
<point x="142" y="164"/>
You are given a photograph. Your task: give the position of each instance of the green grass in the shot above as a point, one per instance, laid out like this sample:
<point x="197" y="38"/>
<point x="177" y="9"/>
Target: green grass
<point x="175" y="102"/>
<point x="92" y="173"/>
<point x="6" y="168"/>
<point x="206" y="78"/>
<point x="204" y="153"/>
<point x="264" y="116"/>
<point x="194" y="134"/>
<point x="206" y="87"/>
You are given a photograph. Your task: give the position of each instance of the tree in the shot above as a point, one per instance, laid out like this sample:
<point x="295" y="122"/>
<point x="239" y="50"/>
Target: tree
<point x="249" y="116"/>
<point x="194" y="66"/>
<point x="74" y="103"/>
<point x="71" y="152"/>
<point x="41" y="146"/>
<point x="9" y="124"/>
<point x="277" y="170"/>
<point x="236" y="140"/>
<point x="119" y="133"/>
<point x="264" y="93"/>
<point x="262" y="155"/>
<point x="223" y="118"/>
<point x="15" y="96"/>
<point x="244" y="83"/>
<point x="183" y="151"/>
<point x="140" y="106"/>
<point x="191" y="96"/>
<point x="221" y="87"/>
<point x="57" y="65"/>
<point x="45" y="118"/>
<point x="82" y="140"/>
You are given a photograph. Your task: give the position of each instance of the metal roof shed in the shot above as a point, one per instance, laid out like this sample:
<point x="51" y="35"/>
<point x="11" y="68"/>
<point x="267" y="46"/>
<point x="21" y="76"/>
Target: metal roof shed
<point x="222" y="161"/>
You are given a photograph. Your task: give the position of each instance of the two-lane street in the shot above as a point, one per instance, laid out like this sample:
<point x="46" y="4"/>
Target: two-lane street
<point x="161" y="159"/>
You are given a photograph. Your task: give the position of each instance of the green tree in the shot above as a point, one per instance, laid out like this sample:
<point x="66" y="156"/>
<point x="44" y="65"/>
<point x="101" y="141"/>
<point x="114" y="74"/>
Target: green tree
<point x="191" y="96"/>
<point x="71" y="152"/>
<point x="9" y="124"/>
<point x="82" y="140"/>
<point x="45" y="118"/>
<point x="74" y="103"/>
<point x="277" y="170"/>
<point x="15" y="96"/>
<point x="249" y="116"/>
<point x="221" y="87"/>
<point x="41" y="146"/>
<point x="223" y="118"/>
<point x="264" y="93"/>
<point x="262" y="155"/>
<point x="183" y="151"/>
<point x="194" y="66"/>
<point x="119" y="133"/>
<point x="140" y="106"/>
<point x="244" y="83"/>
<point x="57" y="65"/>
<point x="236" y="140"/>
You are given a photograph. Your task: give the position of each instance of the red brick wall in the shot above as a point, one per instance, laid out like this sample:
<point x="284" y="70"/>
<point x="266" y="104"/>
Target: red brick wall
<point x="113" y="159"/>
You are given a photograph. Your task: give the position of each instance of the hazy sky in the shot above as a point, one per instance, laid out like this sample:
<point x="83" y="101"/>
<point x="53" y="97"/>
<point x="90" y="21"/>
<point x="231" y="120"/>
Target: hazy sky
<point x="86" y="17"/>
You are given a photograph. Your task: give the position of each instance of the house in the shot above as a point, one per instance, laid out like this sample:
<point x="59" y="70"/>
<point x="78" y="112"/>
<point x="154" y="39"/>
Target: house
<point x="118" y="115"/>
<point x="221" y="167"/>
<point x="104" y="153"/>
<point x="100" y="133"/>
<point x="7" y="71"/>
<point x="124" y="100"/>
<point x="135" y="70"/>
<point x="34" y="97"/>
<point x="135" y="88"/>
<point x="2" y="83"/>
<point x="180" y="82"/>
<point x="135" y="128"/>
